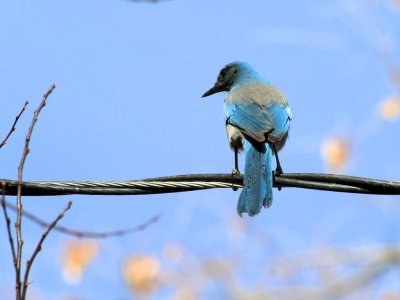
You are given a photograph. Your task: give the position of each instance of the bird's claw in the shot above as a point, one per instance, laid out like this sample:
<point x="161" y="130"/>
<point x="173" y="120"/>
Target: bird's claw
<point x="235" y="172"/>
<point x="278" y="172"/>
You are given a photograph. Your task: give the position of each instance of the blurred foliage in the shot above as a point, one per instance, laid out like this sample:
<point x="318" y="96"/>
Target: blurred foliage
<point x="390" y="108"/>
<point x="335" y="152"/>
<point x="76" y="256"/>
<point x="141" y="273"/>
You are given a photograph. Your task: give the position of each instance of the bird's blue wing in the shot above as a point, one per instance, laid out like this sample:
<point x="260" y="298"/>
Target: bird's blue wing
<point x="281" y="118"/>
<point x="253" y="119"/>
<point x="258" y="109"/>
<point x="256" y="121"/>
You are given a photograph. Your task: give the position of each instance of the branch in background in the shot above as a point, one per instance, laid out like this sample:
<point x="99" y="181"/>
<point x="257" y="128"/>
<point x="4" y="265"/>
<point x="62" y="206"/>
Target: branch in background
<point x="87" y="234"/>
<point x="13" y="126"/>
<point x="7" y="219"/>
<point x="19" y="190"/>
<point x="16" y="258"/>
<point x="376" y="265"/>
<point x="39" y="247"/>
<point x="3" y="202"/>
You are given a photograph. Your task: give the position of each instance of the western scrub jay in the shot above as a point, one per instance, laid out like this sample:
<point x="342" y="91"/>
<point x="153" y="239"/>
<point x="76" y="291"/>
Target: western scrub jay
<point x="257" y="118"/>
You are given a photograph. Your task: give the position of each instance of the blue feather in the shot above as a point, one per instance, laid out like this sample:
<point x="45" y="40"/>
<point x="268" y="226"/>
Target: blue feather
<point x="281" y="119"/>
<point x="257" y="190"/>
<point x="253" y="120"/>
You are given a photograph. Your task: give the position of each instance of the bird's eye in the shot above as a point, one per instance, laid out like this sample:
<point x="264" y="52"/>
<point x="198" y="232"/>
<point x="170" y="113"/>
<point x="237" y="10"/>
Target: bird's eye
<point x="221" y="75"/>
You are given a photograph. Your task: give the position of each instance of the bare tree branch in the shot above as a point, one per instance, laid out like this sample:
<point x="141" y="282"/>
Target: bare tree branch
<point x="19" y="204"/>
<point x="13" y="126"/>
<point x="87" y="234"/>
<point x="3" y="202"/>
<point x="39" y="247"/>
<point x="8" y="224"/>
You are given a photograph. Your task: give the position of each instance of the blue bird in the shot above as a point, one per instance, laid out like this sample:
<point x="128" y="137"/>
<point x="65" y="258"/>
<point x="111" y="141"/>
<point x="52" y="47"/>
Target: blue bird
<point x="257" y="118"/>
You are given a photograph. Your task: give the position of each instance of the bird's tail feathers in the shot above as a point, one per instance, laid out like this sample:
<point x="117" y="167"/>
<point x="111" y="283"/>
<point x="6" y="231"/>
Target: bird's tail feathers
<point x="257" y="190"/>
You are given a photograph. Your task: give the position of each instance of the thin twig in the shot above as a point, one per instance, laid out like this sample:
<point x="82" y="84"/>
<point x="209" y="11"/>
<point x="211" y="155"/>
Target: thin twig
<point x="19" y="192"/>
<point x="39" y="247"/>
<point x="16" y="261"/>
<point x="13" y="126"/>
<point x="8" y="224"/>
<point x="87" y="234"/>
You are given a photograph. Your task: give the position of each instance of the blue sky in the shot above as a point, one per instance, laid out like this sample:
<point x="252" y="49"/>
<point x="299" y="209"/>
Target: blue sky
<point x="127" y="106"/>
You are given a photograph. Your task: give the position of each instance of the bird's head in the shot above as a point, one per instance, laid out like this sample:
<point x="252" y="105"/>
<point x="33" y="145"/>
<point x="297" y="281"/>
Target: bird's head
<point x="234" y="74"/>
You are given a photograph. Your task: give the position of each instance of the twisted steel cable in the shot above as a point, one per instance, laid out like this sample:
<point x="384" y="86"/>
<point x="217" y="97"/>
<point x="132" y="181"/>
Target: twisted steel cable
<point x="192" y="182"/>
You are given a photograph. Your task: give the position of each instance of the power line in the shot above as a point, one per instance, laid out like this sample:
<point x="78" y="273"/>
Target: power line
<point x="193" y="182"/>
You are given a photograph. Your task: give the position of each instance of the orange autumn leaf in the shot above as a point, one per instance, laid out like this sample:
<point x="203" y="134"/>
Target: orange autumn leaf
<point x="389" y="108"/>
<point x="141" y="273"/>
<point x="76" y="256"/>
<point x="335" y="153"/>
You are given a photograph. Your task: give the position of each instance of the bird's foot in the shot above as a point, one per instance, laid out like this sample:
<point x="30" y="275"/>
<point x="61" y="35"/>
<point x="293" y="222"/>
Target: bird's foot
<point x="235" y="172"/>
<point x="278" y="172"/>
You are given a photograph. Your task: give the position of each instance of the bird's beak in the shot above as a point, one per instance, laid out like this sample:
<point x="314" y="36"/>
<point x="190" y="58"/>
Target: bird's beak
<point x="215" y="89"/>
